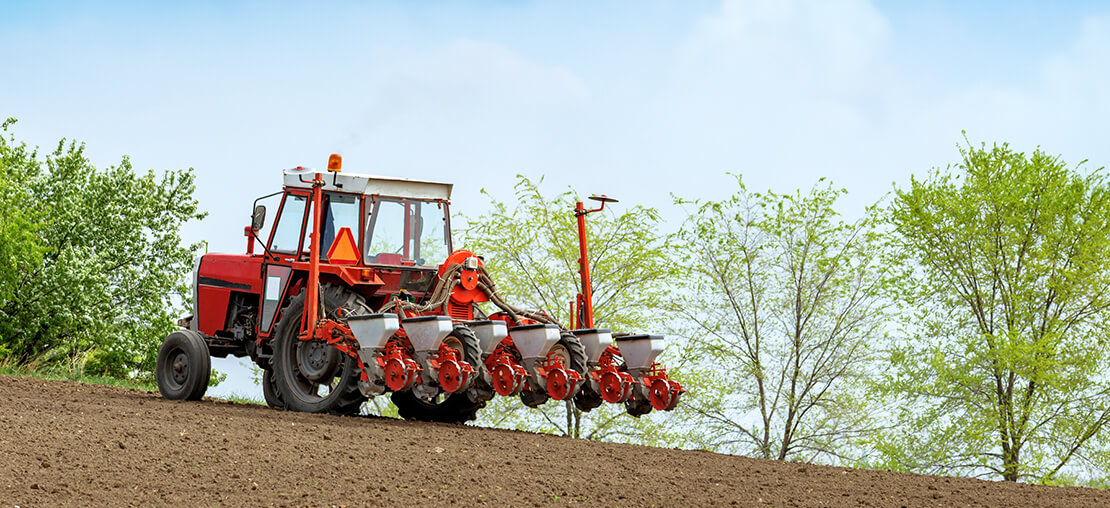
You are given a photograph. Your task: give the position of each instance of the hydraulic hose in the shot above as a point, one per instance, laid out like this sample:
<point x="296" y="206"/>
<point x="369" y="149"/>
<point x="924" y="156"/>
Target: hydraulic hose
<point x="441" y="296"/>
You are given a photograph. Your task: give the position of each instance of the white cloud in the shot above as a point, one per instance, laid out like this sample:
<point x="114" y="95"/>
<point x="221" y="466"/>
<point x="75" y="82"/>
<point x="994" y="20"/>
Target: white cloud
<point x="466" y="90"/>
<point x="466" y="109"/>
<point x="783" y="92"/>
<point x="794" y="45"/>
<point x="1081" y="74"/>
<point x="1058" y="103"/>
<point x="1075" y="97"/>
<point x="787" y="92"/>
<point x="488" y="70"/>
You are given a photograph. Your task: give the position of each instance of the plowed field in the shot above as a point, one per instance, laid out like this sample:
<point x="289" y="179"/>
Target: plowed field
<point x="69" y="444"/>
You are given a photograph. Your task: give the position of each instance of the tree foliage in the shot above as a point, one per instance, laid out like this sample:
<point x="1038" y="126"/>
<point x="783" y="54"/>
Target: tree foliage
<point x="93" y="266"/>
<point x="783" y="299"/>
<point x="531" y="250"/>
<point x="1008" y="284"/>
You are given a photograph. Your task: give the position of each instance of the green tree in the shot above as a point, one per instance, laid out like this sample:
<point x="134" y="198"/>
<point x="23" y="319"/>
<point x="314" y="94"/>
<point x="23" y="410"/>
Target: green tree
<point x="531" y="250"/>
<point x="1007" y="273"/>
<point x="783" y="299"/>
<point x="93" y="266"/>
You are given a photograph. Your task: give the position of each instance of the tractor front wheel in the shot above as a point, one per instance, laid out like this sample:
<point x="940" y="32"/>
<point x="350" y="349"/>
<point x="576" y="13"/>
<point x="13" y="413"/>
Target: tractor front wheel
<point x="183" y="366"/>
<point x="269" y="389"/>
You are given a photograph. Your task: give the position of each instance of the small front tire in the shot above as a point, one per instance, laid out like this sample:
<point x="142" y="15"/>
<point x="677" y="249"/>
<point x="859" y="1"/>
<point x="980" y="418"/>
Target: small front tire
<point x="269" y="390"/>
<point x="183" y="366"/>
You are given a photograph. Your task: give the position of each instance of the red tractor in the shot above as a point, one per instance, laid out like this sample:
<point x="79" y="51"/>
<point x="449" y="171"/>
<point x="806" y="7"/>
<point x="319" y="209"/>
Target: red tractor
<point x="358" y="291"/>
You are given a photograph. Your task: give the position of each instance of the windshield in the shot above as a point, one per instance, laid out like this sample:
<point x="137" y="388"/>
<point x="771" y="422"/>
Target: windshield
<point x="408" y="232"/>
<point x="287" y="231"/>
<point x="340" y="211"/>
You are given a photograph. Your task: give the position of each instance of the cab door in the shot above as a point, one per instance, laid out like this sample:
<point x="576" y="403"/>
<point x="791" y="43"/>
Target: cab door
<point x="285" y="245"/>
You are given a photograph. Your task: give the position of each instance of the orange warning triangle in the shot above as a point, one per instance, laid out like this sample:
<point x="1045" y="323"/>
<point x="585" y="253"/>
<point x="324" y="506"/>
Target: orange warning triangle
<point x="344" y="250"/>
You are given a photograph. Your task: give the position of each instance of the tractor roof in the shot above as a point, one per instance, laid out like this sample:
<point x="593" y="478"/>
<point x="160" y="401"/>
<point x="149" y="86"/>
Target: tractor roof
<point x="368" y="184"/>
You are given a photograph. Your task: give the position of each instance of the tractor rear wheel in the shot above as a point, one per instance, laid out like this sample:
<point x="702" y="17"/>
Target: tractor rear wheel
<point x="448" y="407"/>
<point x="183" y="366"/>
<point x="311" y="376"/>
<point x="269" y="389"/>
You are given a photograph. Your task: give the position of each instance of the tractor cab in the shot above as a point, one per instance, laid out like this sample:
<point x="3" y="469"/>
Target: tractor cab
<point x="390" y="221"/>
<point x="378" y="235"/>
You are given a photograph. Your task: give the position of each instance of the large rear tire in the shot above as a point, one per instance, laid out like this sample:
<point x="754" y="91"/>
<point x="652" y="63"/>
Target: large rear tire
<point x="309" y="375"/>
<point x="446" y="408"/>
<point x="183" y="366"/>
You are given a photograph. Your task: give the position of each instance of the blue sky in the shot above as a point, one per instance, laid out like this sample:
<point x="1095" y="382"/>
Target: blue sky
<point x="637" y="100"/>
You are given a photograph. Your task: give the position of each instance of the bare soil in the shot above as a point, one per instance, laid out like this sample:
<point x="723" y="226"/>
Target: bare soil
<point x="69" y="444"/>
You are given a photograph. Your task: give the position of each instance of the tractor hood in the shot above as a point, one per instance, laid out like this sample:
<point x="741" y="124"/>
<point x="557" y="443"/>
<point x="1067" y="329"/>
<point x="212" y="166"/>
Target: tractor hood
<point x="367" y="184"/>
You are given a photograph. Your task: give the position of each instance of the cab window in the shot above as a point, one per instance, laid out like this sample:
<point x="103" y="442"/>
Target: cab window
<point x="287" y="231"/>
<point x="340" y="211"/>
<point x="386" y="233"/>
<point x="407" y="231"/>
<point x="430" y="229"/>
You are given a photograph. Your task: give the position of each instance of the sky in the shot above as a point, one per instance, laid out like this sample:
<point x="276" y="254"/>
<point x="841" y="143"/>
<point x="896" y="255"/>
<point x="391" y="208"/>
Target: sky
<point x="640" y="100"/>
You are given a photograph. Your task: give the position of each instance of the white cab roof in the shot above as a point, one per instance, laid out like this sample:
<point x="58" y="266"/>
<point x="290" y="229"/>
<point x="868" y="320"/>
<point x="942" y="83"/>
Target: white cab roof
<point x="368" y="184"/>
